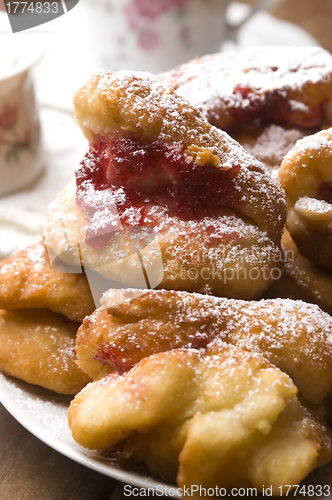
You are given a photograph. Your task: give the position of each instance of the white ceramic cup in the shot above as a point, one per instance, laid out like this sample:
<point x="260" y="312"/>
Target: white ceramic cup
<point x="156" y="35"/>
<point x="20" y="135"/>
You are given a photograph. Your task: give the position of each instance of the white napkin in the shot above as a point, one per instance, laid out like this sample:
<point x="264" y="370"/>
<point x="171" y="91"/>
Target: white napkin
<point x="22" y="214"/>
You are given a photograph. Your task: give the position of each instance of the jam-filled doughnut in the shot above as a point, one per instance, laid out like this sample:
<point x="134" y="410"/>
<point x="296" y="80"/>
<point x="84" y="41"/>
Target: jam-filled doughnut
<point x="306" y="176"/>
<point x="28" y="281"/>
<point x="220" y="417"/>
<point x="266" y="98"/>
<point x="38" y="346"/>
<point x="158" y="178"/>
<point x="292" y="335"/>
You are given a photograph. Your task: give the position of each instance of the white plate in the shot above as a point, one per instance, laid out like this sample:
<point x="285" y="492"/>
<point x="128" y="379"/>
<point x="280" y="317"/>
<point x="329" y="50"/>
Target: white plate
<point x="44" y="414"/>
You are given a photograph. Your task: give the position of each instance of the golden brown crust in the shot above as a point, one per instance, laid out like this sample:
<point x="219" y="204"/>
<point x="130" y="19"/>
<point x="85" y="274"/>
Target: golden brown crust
<point x="39" y="348"/>
<point x="306" y="176"/>
<point x="301" y="279"/>
<point x="290" y="334"/>
<point x="28" y="281"/>
<point x="137" y="104"/>
<point x="224" y="407"/>
<point x="216" y="255"/>
<point x="277" y="84"/>
<point x="214" y="252"/>
<point x="266" y="98"/>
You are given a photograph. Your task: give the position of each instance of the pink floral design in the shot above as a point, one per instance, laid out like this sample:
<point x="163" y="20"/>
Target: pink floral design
<point x="8" y="117"/>
<point x="150" y="10"/>
<point x="148" y="39"/>
<point x="140" y="14"/>
<point x="12" y="144"/>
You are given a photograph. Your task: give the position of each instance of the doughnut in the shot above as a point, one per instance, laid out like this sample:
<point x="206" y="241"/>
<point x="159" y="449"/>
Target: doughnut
<point x="163" y="199"/>
<point x="287" y="85"/>
<point x="38" y="346"/>
<point x="306" y="176"/>
<point x="216" y="417"/>
<point x="266" y="98"/>
<point x="28" y="281"/>
<point x="301" y="279"/>
<point x="40" y="311"/>
<point x="292" y="335"/>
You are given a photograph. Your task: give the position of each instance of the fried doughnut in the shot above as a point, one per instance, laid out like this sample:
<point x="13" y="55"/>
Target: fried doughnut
<point x="224" y="408"/>
<point x="306" y="176"/>
<point x="156" y="167"/>
<point x="292" y="335"/>
<point x="28" y="281"/>
<point x="38" y="347"/>
<point x="301" y="279"/>
<point x="246" y="92"/>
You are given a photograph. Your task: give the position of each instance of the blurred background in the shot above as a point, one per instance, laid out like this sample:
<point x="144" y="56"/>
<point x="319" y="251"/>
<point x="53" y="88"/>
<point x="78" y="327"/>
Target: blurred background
<point x="40" y="69"/>
<point x="314" y="16"/>
<point x="96" y="35"/>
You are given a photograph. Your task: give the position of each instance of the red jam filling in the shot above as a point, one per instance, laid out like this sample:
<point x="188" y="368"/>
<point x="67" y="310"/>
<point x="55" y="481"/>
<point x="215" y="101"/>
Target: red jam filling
<point x="115" y="357"/>
<point x="314" y="117"/>
<point x="244" y="91"/>
<point x="119" y="180"/>
<point x="123" y="359"/>
<point x="262" y="108"/>
<point x="325" y="191"/>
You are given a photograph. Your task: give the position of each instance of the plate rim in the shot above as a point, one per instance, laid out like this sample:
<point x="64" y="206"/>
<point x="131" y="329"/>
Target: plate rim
<point x="75" y="452"/>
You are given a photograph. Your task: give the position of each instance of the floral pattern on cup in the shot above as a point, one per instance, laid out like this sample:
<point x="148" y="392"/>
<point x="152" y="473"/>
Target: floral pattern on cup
<point x="154" y="35"/>
<point x="140" y="15"/>
<point x="11" y="144"/>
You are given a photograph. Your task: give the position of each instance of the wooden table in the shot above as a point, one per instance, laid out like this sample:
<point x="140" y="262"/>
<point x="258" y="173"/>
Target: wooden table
<point x="31" y="470"/>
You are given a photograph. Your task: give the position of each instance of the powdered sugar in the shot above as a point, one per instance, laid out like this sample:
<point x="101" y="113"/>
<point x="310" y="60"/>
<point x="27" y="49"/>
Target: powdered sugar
<point x="270" y="144"/>
<point x="313" y="208"/>
<point x="293" y="335"/>
<point x="196" y="183"/>
<point x="232" y="88"/>
<point x="129" y="103"/>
